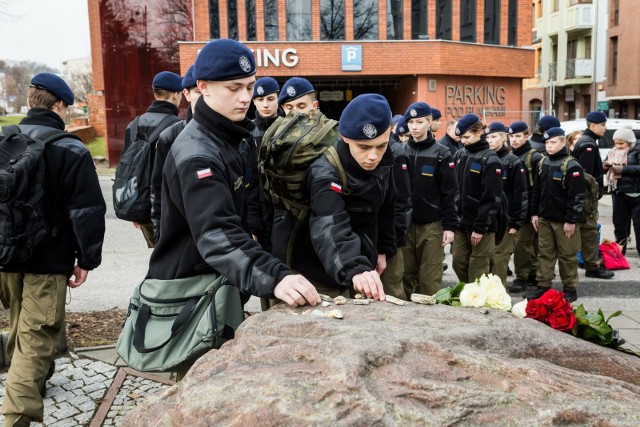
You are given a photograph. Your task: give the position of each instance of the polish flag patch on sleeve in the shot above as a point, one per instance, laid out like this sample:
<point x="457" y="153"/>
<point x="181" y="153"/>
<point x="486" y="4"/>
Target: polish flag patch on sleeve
<point x="336" y="187"/>
<point x="498" y="171"/>
<point x="589" y="149"/>
<point x="522" y="170"/>
<point x="576" y="174"/>
<point x="404" y="166"/>
<point x="451" y="165"/>
<point x="204" y="173"/>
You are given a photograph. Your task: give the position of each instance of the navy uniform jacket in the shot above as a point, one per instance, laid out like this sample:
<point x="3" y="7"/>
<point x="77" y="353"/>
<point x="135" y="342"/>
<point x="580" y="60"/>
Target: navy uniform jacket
<point x="203" y="227"/>
<point x="523" y="152"/>
<point x="514" y="184"/>
<point x="74" y="205"/>
<point x="345" y="232"/>
<point x="434" y="188"/>
<point x="403" y="189"/>
<point x="479" y="173"/>
<point x="555" y="197"/>
<point x="150" y="120"/>
<point x="587" y="153"/>
<point x="450" y="143"/>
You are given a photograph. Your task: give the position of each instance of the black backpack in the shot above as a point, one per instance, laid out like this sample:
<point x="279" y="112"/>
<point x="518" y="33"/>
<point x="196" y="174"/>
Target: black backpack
<point x="22" y="181"/>
<point x="132" y="183"/>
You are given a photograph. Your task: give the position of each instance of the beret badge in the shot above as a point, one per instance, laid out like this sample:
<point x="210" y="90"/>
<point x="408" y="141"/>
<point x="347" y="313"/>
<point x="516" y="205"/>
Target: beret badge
<point x="413" y="112"/>
<point x="245" y="64"/>
<point x="260" y="90"/>
<point x="291" y="91"/>
<point x="369" y="131"/>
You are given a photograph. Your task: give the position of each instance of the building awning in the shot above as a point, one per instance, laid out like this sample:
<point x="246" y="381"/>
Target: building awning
<point x="622" y="98"/>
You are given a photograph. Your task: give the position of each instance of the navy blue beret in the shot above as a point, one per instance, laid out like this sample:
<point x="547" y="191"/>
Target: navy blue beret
<point x="596" y="117"/>
<point x="417" y="109"/>
<point x="465" y="123"/>
<point x="188" y="81"/>
<point x="224" y="59"/>
<point x="294" y="88"/>
<point x="496" y="127"/>
<point x="265" y="86"/>
<point x="55" y="85"/>
<point x="548" y="122"/>
<point x="552" y="133"/>
<point x="396" y="119"/>
<point x="402" y="127"/>
<point x="517" y="127"/>
<point x="365" y="117"/>
<point x="435" y="113"/>
<point x="168" y="81"/>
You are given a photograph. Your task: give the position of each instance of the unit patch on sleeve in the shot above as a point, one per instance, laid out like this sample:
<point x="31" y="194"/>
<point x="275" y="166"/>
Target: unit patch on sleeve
<point x="204" y="173"/>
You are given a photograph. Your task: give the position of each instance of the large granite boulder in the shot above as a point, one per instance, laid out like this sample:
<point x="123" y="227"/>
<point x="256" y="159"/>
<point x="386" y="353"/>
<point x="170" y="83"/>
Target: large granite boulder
<point x="401" y="365"/>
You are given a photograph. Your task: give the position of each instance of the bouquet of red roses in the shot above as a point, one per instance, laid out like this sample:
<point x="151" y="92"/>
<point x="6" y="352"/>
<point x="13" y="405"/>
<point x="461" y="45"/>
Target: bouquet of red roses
<point x="551" y="308"/>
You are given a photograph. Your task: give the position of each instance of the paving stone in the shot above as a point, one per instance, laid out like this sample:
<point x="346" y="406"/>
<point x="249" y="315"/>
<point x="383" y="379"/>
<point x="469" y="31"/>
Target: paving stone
<point x="55" y="390"/>
<point x="96" y="378"/>
<point x="63" y="397"/>
<point x="102" y="367"/>
<point x="73" y="385"/>
<point x="93" y="387"/>
<point x="97" y="394"/>
<point x="84" y="418"/>
<point x="88" y="406"/>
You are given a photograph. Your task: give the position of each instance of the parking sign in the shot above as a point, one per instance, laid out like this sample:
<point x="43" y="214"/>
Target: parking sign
<point x="352" y="57"/>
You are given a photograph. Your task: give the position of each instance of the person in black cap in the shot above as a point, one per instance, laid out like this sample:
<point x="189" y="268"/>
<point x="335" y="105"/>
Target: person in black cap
<point x="450" y="139"/>
<point x="297" y="94"/>
<point x="435" y="120"/>
<point x="587" y="153"/>
<point x="162" y="113"/>
<point x="525" y="252"/>
<point x="479" y="173"/>
<point x="165" y="140"/>
<point x="433" y="195"/>
<point x="34" y="292"/>
<point x="537" y="140"/>
<point x="203" y="226"/>
<point x="556" y="208"/>
<point x="514" y="184"/>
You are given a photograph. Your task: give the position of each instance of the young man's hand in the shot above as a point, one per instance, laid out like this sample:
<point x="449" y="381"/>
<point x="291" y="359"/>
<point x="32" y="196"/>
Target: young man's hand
<point x="447" y="237"/>
<point x="369" y="283"/>
<point x="295" y="290"/>
<point x="569" y="229"/>
<point x="535" y="221"/>
<point x="475" y="238"/>
<point x="381" y="265"/>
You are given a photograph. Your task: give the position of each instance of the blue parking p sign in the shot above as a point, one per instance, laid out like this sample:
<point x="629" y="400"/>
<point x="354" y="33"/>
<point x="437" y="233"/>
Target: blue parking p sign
<point x="352" y="57"/>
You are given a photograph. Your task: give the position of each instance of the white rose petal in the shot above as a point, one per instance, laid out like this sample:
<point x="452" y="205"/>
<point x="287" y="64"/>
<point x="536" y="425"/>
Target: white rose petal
<point x="520" y="309"/>
<point x="473" y="295"/>
<point x="498" y="298"/>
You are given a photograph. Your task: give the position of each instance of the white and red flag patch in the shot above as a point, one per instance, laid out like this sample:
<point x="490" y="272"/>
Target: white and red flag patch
<point x="589" y="149"/>
<point x="336" y="187"/>
<point x="204" y="173"/>
<point x="576" y="174"/>
<point x="404" y="166"/>
<point x="498" y="171"/>
<point x="451" y="165"/>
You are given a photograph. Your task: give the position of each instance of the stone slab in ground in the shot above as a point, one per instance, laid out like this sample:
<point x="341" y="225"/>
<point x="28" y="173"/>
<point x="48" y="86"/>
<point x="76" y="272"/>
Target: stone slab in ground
<point x="391" y="365"/>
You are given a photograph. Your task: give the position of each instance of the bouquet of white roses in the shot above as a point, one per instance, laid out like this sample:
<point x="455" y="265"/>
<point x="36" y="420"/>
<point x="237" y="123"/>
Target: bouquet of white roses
<point x="487" y="291"/>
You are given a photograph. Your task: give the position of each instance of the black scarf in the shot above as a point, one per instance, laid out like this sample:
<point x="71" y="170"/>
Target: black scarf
<point x="43" y="117"/>
<point x="220" y="125"/>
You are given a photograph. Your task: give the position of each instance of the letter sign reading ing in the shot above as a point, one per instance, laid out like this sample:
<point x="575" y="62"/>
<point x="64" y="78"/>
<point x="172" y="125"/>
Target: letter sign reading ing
<point x="352" y="58"/>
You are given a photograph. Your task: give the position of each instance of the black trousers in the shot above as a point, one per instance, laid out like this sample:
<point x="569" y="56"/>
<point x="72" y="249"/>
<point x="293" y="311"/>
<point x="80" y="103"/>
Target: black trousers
<point x="626" y="210"/>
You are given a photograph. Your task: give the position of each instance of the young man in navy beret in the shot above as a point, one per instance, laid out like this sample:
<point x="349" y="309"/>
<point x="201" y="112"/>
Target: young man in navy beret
<point x="343" y="246"/>
<point x="162" y="113"/>
<point x="587" y="153"/>
<point x="537" y="139"/>
<point x="297" y="94"/>
<point x="434" y="191"/>
<point x="204" y="227"/>
<point x="165" y="140"/>
<point x="436" y="124"/>
<point x="34" y="292"/>
<point x="556" y="208"/>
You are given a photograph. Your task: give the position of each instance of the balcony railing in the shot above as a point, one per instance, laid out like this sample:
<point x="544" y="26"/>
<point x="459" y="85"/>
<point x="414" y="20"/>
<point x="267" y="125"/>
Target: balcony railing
<point x="577" y="68"/>
<point x="579" y="17"/>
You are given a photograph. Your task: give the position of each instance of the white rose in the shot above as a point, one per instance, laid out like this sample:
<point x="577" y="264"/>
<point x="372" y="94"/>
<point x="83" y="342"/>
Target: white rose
<point x="498" y="298"/>
<point x="491" y="282"/>
<point x="520" y="309"/>
<point x="473" y="295"/>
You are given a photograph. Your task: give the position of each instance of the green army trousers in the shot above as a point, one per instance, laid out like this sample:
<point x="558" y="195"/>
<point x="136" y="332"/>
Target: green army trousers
<point x="392" y="277"/>
<point x="470" y="262"/>
<point x="554" y="245"/>
<point x="423" y="255"/>
<point x="525" y="252"/>
<point x="589" y="246"/>
<point x="501" y="256"/>
<point x="147" y="232"/>
<point x="36" y="315"/>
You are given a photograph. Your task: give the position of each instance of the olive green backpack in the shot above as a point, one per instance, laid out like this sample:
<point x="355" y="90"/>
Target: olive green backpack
<point x="289" y="147"/>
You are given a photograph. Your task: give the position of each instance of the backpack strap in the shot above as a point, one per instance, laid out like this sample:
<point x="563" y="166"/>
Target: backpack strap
<point x="528" y="163"/>
<point x="332" y="155"/>
<point x="134" y="129"/>
<point x="164" y="123"/>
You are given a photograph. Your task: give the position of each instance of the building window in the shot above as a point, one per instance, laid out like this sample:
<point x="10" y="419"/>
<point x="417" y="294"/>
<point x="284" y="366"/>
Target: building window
<point x="512" y="23"/>
<point x="419" y="20"/>
<point x="443" y="19"/>
<point x="468" y="21"/>
<point x="616" y="12"/>
<point x="365" y="19"/>
<point x="394" y="20"/>
<point x="556" y="5"/>
<point x="492" y="21"/>
<point x="232" y="18"/>
<point x="250" y="13"/>
<point x="572" y="49"/>
<point x="587" y="47"/>
<point x="214" y="20"/>
<point x="332" y="20"/>
<point x="271" y="20"/>
<point x="298" y="20"/>
<point x="614" y="60"/>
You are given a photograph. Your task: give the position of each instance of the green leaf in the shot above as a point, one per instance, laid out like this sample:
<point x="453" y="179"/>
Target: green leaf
<point x="580" y="311"/>
<point x="457" y="289"/>
<point x="456" y="303"/>
<point x="616" y="314"/>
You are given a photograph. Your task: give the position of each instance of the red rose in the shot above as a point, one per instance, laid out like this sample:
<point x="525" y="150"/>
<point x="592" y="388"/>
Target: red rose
<point x="553" y="299"/>
<point x="562" y="320"/>
<point x="537" y="310"/>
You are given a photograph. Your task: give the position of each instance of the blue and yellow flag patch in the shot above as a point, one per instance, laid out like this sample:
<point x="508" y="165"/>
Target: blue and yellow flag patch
<point x="428" y="170"/>
<point x="557" y="176"/>
<point x="476" y="168"/>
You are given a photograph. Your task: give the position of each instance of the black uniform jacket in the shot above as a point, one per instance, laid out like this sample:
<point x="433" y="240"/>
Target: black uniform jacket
<point x="514" y="184"/>
<point x="479" y="173"/>
<point x="450" y="143"/>
<point x="630" y="181"/>
<point x="150" y="120"/>
<point x="345" y="232"/>
<point x="434" y="186"/>
<point x="537" y="143"/>
<point x="203" y="225"/>
<point x="403" y="189"/>
<point x="165" y="140"/>
<point x="523" y="152"/>
<point x="74" y="205"/>
<point x="586" y="152"/>
<point x="556" y="198"/>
